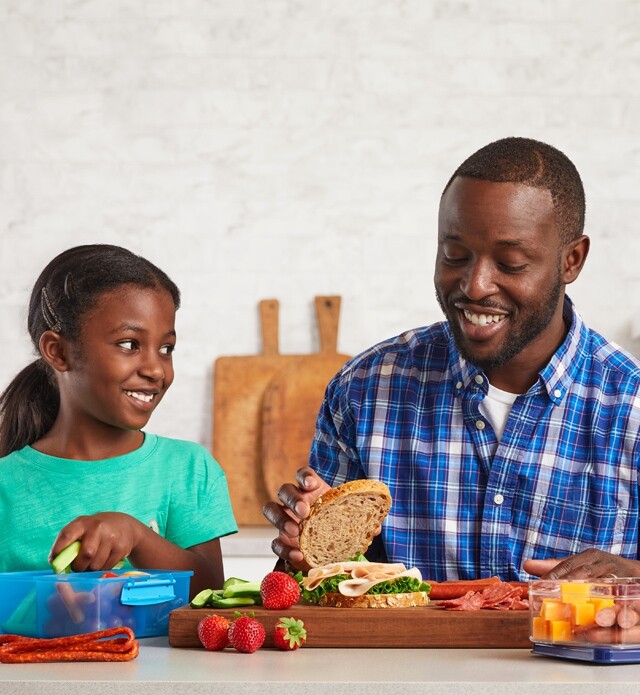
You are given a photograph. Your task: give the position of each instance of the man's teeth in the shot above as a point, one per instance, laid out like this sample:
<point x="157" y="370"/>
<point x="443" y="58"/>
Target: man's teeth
<point x="482" y="319"/>
<point x="146" y="397"/>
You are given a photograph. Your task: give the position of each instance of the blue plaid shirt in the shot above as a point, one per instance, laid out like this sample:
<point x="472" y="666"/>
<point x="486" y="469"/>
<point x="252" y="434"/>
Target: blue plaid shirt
<point x="564" y="476"/>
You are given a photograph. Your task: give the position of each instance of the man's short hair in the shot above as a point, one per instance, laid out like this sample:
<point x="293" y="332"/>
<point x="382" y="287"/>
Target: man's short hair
<point x="533" y="163"/>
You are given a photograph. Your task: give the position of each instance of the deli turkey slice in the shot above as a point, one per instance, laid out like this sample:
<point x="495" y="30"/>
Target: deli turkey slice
<point x="360" y="585"/>
<point x="363" y="575"/>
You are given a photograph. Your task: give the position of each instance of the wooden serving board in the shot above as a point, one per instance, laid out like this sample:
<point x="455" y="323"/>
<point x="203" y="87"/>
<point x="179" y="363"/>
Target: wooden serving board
<point x="425" y="627"/>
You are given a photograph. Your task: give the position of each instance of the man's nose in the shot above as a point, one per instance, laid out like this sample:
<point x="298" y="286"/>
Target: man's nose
<point x="478" y="280"/>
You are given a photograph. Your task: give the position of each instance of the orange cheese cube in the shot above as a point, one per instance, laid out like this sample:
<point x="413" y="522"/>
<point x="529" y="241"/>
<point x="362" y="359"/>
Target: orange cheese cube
<point x="540" y="629"/>
<point x="583" y="613"/>
<point x="604" y="602"/>
<point x="575" y="592"/>
<point x="552" y="609"/>
<point x="560" y="630"/>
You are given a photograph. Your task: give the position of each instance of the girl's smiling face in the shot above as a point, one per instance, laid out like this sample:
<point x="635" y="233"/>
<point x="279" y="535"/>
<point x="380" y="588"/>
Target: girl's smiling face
<point x="120" y="368"/>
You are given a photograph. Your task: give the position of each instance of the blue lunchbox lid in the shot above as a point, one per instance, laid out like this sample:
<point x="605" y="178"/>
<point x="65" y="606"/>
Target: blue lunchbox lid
<point x="594" y="655"/>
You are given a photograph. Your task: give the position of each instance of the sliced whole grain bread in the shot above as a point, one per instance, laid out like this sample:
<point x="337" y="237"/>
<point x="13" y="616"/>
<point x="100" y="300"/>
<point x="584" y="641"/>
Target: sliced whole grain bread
<point x="409" y="600"/>
<point x="343" y="521"/>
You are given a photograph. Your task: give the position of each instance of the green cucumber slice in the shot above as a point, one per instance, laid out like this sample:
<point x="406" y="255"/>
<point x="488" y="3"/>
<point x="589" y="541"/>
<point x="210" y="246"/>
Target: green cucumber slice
<point x="62" y="561"/>
<point x="249" y="589"/>
<point x="201" y="599"/>
<point x="233" y="602"/>
<point x="231" y="581"/>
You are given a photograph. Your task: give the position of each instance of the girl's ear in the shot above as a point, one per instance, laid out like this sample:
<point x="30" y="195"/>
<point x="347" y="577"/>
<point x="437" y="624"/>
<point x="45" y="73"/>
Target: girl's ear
<point x="575" y="254"/>
<point x="53" y="348"/>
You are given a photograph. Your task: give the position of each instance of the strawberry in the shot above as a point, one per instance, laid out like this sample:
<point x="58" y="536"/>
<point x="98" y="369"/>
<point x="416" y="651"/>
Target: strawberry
<point x="246" y="634"/>
<point x="213" y="632"/>
<point x="279" y="590"/>
<point x="289" y="634"/>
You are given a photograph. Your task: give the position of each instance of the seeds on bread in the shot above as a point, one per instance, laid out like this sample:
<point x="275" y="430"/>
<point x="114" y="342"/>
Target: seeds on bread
<point x="411" y="600"/>
<point x="343" y="521"/>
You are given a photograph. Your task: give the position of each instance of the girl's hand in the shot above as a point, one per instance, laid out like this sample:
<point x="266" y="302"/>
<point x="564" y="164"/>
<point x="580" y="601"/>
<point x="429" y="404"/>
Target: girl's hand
<point x="286" y="517"/>
<point x="105" y="539"/>
<point x="109" y="537"/>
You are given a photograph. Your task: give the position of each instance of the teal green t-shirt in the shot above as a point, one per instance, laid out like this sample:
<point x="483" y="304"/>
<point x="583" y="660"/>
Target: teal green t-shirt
<point x="175" y="487"/>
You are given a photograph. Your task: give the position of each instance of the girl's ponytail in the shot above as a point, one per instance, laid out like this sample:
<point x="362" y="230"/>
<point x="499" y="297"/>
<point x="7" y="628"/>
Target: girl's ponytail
<point x="28" y="407"/>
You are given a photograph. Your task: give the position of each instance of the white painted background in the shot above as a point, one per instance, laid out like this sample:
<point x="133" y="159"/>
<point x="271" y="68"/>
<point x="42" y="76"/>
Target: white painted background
<point x="274" y="148"/>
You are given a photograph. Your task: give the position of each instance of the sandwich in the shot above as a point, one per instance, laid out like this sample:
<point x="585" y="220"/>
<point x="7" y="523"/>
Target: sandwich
<point x="333" y="539"/>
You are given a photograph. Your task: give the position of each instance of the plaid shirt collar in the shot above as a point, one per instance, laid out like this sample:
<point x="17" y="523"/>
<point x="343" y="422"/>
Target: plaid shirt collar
<point x="555" y="378"/>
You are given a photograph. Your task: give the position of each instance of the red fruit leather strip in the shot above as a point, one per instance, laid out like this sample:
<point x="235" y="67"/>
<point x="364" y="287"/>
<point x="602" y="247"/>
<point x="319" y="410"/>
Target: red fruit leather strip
<point x="91" y="646"/>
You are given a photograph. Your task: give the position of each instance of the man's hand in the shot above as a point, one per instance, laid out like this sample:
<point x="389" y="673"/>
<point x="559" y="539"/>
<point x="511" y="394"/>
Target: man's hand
<point x="286" y="517"/>
<point x="589" y="564"/>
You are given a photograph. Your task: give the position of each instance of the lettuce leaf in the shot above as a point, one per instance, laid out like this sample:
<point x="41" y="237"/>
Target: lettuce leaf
<point x="401" y="585"/>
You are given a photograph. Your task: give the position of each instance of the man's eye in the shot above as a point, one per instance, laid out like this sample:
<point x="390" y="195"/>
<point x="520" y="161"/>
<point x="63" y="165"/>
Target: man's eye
<point x="454" y="259"/>
<point x="128" y="344"/>
<point x="167" y="349"/>
<point x="513" y="268"/>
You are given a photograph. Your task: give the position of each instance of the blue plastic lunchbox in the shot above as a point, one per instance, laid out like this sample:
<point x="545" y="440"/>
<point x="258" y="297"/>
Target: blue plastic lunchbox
<point x="43" y="604"/>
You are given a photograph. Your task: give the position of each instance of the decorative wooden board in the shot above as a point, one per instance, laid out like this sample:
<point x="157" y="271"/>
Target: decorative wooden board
<point x="410" y="628"/>
<point x="240" y="385"/>
<point x="292" y="400"/>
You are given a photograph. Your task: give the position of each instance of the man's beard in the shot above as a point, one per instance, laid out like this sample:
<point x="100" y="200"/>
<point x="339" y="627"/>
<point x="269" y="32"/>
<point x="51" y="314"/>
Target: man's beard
<point x="519" y="337"/>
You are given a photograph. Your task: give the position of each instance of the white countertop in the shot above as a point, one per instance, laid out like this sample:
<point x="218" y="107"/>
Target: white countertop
<point x="163" y="670"/>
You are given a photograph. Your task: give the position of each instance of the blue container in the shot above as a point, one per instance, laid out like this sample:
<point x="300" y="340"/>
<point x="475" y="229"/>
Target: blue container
<point x="43" y="604"/>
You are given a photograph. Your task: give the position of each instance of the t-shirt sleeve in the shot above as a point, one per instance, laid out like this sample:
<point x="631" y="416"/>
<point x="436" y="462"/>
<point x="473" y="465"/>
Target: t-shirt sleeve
<point x="200" y="507"/>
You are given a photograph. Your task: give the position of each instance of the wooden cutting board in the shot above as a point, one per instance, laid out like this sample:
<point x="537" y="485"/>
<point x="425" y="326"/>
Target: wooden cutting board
<point x="428" y="626"/>
<point x="292" y="400"/>
<point x="239" y="383"/>
<point x="239" y="386"/>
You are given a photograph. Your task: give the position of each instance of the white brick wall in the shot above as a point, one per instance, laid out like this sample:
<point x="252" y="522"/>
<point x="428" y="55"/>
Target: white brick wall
<point x="282" y="148"/>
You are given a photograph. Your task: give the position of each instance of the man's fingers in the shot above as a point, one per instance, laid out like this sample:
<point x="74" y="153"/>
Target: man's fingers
<point x="292" y="555"/>
<point x="291" y="497"/>
<point x="539" y="567"/>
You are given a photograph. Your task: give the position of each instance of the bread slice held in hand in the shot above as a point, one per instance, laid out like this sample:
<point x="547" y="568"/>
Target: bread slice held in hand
<point x="343" y="521"/>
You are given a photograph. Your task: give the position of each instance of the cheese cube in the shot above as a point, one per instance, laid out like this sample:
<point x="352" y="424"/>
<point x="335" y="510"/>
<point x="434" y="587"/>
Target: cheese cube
<point x="540" y="629"/>
<point x="583" y="613"/>
<point x="552" y="609"/>
<point x="560" y="630"/>
<point x="604" y="602"/>
<point x="575" y="592"/>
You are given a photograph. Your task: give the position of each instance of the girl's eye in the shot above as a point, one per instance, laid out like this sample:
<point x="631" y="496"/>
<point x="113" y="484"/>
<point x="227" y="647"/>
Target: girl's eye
<point x="128" y="344"/>
<point x="167" y="349"/>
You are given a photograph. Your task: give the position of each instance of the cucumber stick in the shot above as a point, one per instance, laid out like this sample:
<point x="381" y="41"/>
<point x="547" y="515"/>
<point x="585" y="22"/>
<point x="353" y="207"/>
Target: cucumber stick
<point x="61" y="563"/>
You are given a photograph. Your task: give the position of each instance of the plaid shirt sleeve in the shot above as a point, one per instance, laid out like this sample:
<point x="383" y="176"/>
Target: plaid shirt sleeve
<point x="564" y="476"/>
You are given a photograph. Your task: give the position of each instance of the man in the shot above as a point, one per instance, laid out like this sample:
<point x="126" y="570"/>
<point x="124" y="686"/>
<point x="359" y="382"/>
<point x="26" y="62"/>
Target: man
<point x="509" y="434"/>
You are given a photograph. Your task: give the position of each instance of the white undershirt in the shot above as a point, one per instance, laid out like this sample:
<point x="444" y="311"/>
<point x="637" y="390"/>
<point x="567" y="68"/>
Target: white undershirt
<point x="496" y="407"/>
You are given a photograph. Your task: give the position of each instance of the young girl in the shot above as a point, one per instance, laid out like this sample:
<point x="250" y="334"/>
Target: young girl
<point x="76" y="463"/>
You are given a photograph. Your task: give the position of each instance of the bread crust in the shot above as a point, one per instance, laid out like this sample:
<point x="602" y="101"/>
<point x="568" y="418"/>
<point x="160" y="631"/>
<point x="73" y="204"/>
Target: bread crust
<point x="326" y="536"/>
<point x="408" y="600"/>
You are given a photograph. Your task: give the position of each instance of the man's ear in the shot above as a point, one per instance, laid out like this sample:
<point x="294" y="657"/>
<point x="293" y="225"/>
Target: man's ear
<point x="574" y="255"/>
<point x="54" y="351"/>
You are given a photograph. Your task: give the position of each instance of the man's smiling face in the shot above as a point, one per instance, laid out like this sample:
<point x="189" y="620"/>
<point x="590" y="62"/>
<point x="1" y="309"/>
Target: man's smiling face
<point x="498" y="272"/>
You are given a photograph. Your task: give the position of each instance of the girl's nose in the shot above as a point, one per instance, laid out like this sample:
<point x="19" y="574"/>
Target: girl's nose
<point x="152" y="367"/>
